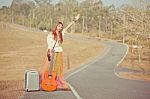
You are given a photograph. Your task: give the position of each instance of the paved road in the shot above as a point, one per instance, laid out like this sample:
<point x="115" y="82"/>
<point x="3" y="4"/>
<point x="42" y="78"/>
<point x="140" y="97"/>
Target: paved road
<point x="97" y="80"/>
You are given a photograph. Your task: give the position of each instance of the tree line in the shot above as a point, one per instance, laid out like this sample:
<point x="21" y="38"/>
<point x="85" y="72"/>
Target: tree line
<point x="96" y="19"/>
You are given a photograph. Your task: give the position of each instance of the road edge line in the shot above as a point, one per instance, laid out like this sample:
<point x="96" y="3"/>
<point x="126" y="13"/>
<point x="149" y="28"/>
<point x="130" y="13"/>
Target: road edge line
<point x="106" y="50"/>
<point x="74" y="92"/>
<point x="127" y="50"/>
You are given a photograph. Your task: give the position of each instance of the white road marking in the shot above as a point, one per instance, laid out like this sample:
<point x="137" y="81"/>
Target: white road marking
<point x="75" y="92"/>
<point x="94" y="60"/>
<point x="121" y="61"/>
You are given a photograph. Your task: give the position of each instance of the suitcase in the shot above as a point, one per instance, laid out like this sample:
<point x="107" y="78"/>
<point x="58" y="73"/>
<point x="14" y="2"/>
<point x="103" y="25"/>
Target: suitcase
<point x="32" y="81"/>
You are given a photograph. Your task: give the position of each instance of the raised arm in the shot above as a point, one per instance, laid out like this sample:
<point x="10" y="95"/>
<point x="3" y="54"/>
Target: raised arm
<point x="71" y="23"/>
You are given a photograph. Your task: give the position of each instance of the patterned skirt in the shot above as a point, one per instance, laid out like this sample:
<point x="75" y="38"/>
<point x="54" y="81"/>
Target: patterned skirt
<point x="58" y="68"/>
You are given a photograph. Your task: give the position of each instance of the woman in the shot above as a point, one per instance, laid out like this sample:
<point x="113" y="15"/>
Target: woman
<point x="56" y="38"/>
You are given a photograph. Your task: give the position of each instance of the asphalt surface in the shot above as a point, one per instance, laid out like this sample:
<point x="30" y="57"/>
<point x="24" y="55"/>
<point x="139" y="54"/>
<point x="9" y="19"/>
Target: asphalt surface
<point x="97" y="80"/>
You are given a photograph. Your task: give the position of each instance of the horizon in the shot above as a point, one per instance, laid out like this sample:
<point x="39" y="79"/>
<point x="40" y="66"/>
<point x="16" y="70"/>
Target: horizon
<point x="116" y="3"/>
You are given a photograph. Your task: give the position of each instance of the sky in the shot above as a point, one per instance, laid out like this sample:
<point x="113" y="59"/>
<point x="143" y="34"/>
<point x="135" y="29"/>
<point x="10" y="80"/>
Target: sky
<point x="110" y="2"/>
<point x="5" y="2"/>
<point x="117" y="3"/>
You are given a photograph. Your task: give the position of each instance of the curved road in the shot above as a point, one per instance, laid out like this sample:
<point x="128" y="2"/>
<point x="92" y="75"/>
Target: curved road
<point x="97" y="80"/>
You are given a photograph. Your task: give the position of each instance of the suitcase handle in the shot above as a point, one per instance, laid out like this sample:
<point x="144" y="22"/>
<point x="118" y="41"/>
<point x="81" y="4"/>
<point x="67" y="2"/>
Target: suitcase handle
<point x="33" y="72"/>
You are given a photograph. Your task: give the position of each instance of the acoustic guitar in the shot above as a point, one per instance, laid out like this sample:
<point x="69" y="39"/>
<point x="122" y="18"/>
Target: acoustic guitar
<point x="49" y="81"/>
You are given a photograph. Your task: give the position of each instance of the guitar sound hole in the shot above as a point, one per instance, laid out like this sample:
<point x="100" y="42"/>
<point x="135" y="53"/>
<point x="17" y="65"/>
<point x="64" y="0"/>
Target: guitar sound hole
<point x="49" y="76"/>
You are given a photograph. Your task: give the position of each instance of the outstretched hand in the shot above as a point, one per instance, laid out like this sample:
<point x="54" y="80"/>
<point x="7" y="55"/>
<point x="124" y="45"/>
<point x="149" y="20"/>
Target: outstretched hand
<point x="77" y="17"/>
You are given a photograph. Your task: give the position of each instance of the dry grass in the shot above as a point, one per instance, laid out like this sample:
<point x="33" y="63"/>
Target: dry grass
<point x="21" y="50"/>
<point x="135" y="76"/>
<point x="132" y="62"/>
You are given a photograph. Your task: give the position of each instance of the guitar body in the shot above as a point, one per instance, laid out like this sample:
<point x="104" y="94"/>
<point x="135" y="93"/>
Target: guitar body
<point x="49" y="82"/>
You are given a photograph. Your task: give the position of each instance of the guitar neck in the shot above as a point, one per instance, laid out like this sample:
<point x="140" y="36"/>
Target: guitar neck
<point x="51" y="63"/>
<point x="52" y="59"/>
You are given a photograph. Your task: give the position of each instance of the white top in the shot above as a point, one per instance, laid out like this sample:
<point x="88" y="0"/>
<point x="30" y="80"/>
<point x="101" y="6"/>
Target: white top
<point x="51" y="42"/>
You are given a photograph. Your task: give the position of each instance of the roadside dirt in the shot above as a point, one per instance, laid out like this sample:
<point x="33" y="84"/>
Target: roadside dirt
<point x="139" y="68"/>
